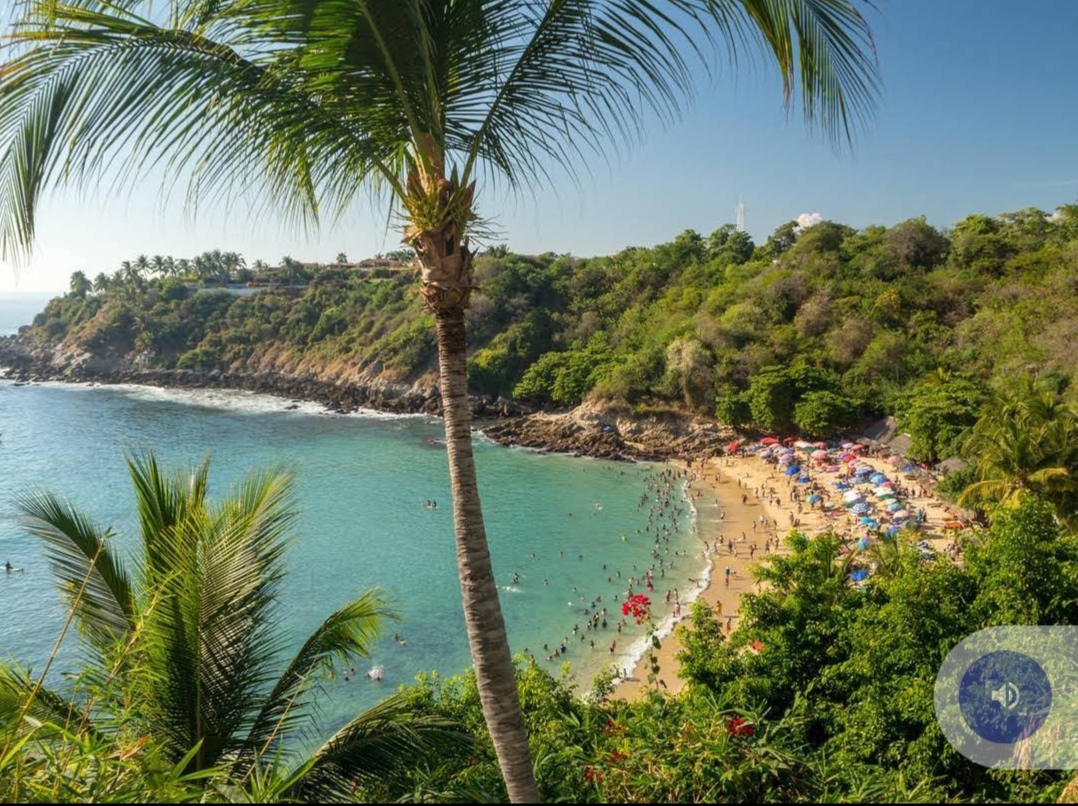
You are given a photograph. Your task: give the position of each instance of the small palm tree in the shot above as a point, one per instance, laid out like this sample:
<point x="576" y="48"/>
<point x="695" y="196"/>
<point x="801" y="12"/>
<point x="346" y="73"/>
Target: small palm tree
<point x="192" y="633"/>
<point x="415" y="101"/>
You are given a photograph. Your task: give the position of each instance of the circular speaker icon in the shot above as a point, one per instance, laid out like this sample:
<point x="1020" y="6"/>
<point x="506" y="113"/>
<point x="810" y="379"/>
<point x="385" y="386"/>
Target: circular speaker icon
<point x="1005" y="696"/>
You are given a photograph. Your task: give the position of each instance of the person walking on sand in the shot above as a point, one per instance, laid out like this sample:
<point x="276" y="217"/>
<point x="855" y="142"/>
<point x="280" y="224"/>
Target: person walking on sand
<point x="728" y="576"/>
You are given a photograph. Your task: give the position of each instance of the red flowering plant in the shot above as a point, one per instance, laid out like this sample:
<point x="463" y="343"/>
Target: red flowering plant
<point x="736" y="726"/>
<point x="637" y="605"/>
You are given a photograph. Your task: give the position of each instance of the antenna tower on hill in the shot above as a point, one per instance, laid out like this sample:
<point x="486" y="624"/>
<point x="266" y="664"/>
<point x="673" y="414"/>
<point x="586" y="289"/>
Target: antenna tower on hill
<point x="740" y="215"/>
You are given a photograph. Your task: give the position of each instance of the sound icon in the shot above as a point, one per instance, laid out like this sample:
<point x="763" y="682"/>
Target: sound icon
<point x="1007" y="695"/>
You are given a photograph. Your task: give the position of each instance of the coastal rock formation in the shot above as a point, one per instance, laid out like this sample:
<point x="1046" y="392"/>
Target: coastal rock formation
<point x="614" y="431"/>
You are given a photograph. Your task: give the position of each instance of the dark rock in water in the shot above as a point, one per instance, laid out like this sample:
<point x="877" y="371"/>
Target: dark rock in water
<point x="293" y="407"/>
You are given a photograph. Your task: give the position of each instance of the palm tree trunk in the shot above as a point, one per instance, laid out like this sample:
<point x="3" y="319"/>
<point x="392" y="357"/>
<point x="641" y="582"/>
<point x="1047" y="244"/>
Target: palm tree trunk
<point x="482" y="611"/>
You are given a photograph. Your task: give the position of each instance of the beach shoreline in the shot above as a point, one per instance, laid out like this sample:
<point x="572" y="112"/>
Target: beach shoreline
<point x="734" y="483"/>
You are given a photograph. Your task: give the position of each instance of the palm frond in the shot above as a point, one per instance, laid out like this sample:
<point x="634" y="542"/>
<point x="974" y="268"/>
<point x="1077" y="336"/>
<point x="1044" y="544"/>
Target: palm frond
<point x="346" y="634"/>
<point x="107" y="607"/>
<point x="16" y="688"/>
<point x="212" y="633"/>
<point x="375" y="744"/>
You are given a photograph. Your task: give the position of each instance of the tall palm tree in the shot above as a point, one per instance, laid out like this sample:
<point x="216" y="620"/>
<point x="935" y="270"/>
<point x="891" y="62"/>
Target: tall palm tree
<point x="413" y="101"/>
<point x="101" y="283"/>
<point x="193" y="633"/>
<point x="80" y="284"/>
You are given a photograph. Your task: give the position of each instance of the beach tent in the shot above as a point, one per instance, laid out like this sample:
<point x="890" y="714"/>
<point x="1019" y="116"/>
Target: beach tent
<point x="769" y="441"/>
<point x="793" y="470"/>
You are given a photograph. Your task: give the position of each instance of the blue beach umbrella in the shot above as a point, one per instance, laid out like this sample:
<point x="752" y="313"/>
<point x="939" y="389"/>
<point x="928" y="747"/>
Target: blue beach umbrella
<point x="894" y="506"/>
<point x="860" y="575"/>
<point x="803" y="480"/>
<point x="893" y="530"/>
<point x="860" y="509"/>
<point x="877" y="478"/>
<point x="841" y="485"/>
<point x="812" y="499"/>
<point x="793" y="470"/>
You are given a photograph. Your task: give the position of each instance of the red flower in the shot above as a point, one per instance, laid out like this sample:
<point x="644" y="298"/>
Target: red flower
<point x="616" y="757"/>
<point x="639" y="606"/>
<point x="736" y="726"/>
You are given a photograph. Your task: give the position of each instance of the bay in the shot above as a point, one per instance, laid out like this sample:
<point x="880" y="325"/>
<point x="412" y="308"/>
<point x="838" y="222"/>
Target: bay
<point x="362" y="481"/>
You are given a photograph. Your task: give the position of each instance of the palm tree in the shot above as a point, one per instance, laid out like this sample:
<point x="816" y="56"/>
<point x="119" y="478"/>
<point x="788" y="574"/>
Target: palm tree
<point x="101" y="283"/>
<point x="1026" y="443"/>
<point x="142" y="263"/>
<point x="80" y="284"/>
<point x="412" y="100"/>
<point x="192" y="632"/>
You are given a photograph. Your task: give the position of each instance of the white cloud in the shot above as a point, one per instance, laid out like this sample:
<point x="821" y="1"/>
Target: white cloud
<point x="806" y="220"/>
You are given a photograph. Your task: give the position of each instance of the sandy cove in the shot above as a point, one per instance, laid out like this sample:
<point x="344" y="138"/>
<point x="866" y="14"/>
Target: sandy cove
<point x="722" y="515"/>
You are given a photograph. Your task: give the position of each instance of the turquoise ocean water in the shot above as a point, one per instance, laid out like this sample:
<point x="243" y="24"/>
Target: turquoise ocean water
<point x="362" y="482"/>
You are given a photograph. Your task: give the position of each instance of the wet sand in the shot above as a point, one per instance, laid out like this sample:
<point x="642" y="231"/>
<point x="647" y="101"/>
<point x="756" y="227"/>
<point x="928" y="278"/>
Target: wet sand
<point x="726" y="480"/>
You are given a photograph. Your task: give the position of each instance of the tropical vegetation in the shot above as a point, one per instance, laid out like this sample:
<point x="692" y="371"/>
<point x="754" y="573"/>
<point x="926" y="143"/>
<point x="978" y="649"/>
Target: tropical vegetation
<point x="311" y="105"/>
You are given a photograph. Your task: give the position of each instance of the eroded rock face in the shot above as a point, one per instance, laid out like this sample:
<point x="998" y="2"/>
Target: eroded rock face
<point x="615" y="431"/>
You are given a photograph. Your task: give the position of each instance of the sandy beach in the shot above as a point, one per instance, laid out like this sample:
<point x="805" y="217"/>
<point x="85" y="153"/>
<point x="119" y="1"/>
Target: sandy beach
<point x="738" y="491"/>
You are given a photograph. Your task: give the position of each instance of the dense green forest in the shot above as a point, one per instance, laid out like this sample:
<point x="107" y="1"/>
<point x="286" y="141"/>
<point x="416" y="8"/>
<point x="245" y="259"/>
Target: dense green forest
<point x="812" y="330"/>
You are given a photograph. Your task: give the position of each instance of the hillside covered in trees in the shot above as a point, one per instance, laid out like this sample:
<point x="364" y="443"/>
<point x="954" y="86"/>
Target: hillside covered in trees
<point x="812" y="330"/>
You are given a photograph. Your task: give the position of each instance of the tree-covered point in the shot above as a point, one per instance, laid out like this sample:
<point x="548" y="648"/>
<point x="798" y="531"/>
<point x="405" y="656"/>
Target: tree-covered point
<point x="816" y="329"/>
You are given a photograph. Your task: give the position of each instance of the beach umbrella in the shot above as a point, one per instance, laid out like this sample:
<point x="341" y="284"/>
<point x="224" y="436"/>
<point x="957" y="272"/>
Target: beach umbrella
<point x="900" y="514"/>
<point x="860" y="509"/>
<point x="893" y="459"/>
<point x="867" y="521"/>
<point x="848" y="458"/>
<point x="852" y="495"/>
<point x="881" y="490"/>
<point x="878" y="478"/>
<point x="793" y="470"/>
<point x="857" y="446"/>
<point x="893" y="530"/>
<point x="860" y="575"/>
<point x="785" y="459"/>
<point x="887" y="496"/>
<point x="802" y="444"/>
<point x="769" y="441"/>
<point x="894" y="506"/>
<point x="862" y="543"/>
<point x="841" y="485"/>
<point x="788" y="450"/>
<point x="909" y="469"/>
<point x="831" y="469"/>
<point x="812" y="499"/>
<point x="846" y="445"/>
<point x="804" y="480"/>
<point x="733" y="446"/>
<point x="821" y="454"/>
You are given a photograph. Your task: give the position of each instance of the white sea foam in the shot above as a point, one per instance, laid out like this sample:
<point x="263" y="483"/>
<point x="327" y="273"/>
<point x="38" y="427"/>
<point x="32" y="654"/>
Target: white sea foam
<point x="234" y="400"/>
<point x="628" y="661"/>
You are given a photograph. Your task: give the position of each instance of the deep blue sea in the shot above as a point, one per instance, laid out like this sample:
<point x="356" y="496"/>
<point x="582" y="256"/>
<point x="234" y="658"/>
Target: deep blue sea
<point x="362" y="483"/>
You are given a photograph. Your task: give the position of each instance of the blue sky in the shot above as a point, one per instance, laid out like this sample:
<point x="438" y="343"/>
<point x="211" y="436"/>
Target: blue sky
<point x="978" y="114"/>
